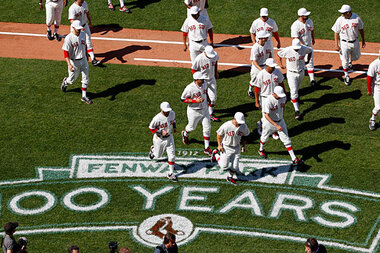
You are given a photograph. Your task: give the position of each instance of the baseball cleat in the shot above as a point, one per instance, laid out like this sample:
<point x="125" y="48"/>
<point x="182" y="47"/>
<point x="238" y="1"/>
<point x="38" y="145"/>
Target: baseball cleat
<point x="313" y="83"/>
<point x="263" y="154"/>
<point x="48" y="35"/>
<point x="151" y="155"/>
<point x="64" y="84"/>
<point x="173" y="177"/>
<point x="125" y="9"/>
<point x="372" y="125"/>
<point x="207" y="151"/>
<point x="185" y="139"/>
<point x="213" y="158"/>
<point x="57" y="37"/>
<point x="110" y="6"/>
<point x="251" y="94"/>
<point x="347" y="81"/>
<point x="297" y="162"/>
<point x="259" y="127"/>
<point x="95" y="62"/>
<point x="231" y="180"/>
<point x="275" y="136"/>
<point x="86" y="100"/>
<point x="214" y="118"/>
<point x="297" y="115"/>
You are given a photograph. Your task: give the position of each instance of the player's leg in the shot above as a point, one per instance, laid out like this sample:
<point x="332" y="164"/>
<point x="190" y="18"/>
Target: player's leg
<point x="85" y="81"/>
<point x="211" y="91"/>
<point x="57" y="19"/>
<point x="345" y="58"/>
<point x="355" y="53"/>
<point x="235" y="157"/>
<point x="193" y="117"/>
<point x="253" y="73"/>
<point x="293" y="85"/>
<point x="206" y="132"/>
<point x="49" y="19"/>
<point x="310" y="69"/>
<point x="376" y="109"/>
<point x="268" y="129"/>
<point x="123" y="8"/>
<point x="284" y="137"/>
<point x="170" y="151"/>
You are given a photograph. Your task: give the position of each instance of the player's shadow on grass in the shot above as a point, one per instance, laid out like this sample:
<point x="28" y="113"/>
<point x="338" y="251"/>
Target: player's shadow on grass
<point x="141" y="4"/>
<point x="234" y="72"/>
<point x="106" y="28"/>
<point x="237" y="41"/>
<point x="119" y="53"/>
<point x="330" y="98"/>
<point x="230" y="112"/>
<point x="315" y="124"/>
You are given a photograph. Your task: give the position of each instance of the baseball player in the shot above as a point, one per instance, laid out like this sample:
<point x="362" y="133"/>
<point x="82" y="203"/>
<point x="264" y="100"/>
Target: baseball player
<point x="265" y="82"/>
<point x="303" y="29"/>
<point x="201" y="4"/>
<point x="312" y="246"/>
<point x="122" y="6"/>
<point x="196" y="28"/>
<point x="74" y="49"/>
<point x="79" y="11"/>
<point x="229" y="136"/>
<point x="207" y="64"/>
<point x="260" y="52"/>
<point x="373" y="86"/>
<point x="265" y="23"/>
<point x="295" y="63"/>
<point x="346" y="29"/>
<point x="273" y="110"/>
<point x="195" y="95"/>
<point x="163" y="126"/>
<point x="53" y="14"/>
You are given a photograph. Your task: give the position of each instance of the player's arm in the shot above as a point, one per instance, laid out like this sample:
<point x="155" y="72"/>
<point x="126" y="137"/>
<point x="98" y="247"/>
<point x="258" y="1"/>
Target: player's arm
<point x="174" y="126"/>
<point x="363" y="38"/>
<point x="253" y="38"/>
<point x="67" y="58"/>
<point x="257" y="92"/>
<point x="219" y="139"/>
<point x="184" y="37"/>
<point x="369" y="85"/>
<point x="277" y="37"/>
<point x="312" y="37"/>
<point x="216" y="70"/>
<point x="243" y="142"/>
<point x="192" y="101"/>
<point x="281" y="64"/>
<point x="336" y="38"/>
<point x="211" y="35"/>
<point x="277" y="126"/>
<point x="65" y="3"/>
<point x="89" y="19"/>
<point x="256" y="63"/>
<point x="40" y="5"/>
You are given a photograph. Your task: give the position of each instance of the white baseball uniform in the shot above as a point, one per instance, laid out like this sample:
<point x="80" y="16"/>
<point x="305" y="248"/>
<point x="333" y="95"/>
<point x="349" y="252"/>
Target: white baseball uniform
<point x="197" y="111"/>
<point x="295" y="64"/>
<point x="231" y="144"/>
<point x="266" y="82"/>
<point x="374" y="72"/>
<point x="75" y="46"/>
<point x="269" y="26"/>
<point x="260" y="54"/>
<point x="77" y="12"/>
<point x="302" y="31"/>
<point x="53" y="13"/>
<point x="163" y="143"/>
<point x="207" y="67"/>
<point x="197" y="31"/>
<point x="348" y="30"/>
<point x="199" y="3"/>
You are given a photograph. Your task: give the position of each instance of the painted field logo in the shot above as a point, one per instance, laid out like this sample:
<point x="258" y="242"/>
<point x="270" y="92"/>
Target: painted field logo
<point x="272" y="201"/>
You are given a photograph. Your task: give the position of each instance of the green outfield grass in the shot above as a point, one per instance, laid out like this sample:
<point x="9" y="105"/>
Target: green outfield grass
<point x="230" y="17"/>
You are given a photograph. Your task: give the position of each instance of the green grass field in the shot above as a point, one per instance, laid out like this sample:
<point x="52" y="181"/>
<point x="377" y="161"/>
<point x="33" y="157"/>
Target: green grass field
<point x="40" y="126"/>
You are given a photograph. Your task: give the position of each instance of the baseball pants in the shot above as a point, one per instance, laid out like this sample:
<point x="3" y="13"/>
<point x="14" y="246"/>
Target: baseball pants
<point x="349" y="52"/>
<point x="254" y="72"/>
<point x="53" y="13"/>
<point x="376" y="98"/>
<point x="211" y="91"/>
<point x="230" y="154"/>
<point x="164" y="144"/>
<point x="294" y="82"/>
<point x="79" y="66"/>
<point x="194" y="116"/>
<point x="196" y="48"/>
<point x="268" y="129"/>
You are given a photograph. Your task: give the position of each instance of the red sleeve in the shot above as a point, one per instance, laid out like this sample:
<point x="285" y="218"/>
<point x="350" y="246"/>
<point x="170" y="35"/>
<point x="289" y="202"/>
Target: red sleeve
<point x="188" y="101"/>
<point x="153" y="130"/>
<point x="369" y="83"/>
<point x="211" y="34"/>
<point x="275" y="35"/>
<point x="193" y="71"/>
<point x="184" y="34"/>
<point x="66" y="54"/>
<point x="257" y="89"/>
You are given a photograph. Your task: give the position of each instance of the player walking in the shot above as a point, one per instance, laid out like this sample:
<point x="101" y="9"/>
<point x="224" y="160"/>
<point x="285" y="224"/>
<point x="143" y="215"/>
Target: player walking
<point x="346" y="29"/>
<point x="295" y="63"/>
<point x="122" y="6"/>
<point x="195" y="95"/>
<point x="265" y="23"/>
<point x="229" y="136"/>
<point x="273" y="110"/>
<point x="79" y="11"/>
<point x="260" y="52"/>
<point x="303" y="29"/>
<point x="53" y="14"/>
<point x="196" y="28"/>
<point x="207" y="64"/>
<point x="74" y="49"/>
<point x="163" y="125"/>
<point x="201" y="4"/>
<point x="373" y="86"/>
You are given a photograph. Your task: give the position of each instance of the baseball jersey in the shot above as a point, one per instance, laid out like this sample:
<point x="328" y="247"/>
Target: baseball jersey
<point x="260" y="53"/>
<point x="205" y="65"/>
<point x="232" y="134"/>
<point x="348" y="28"/>
<point x="193" y="91"/>
<point x="75" y="45"/>
<point x="374" y="71"/>
<point x="199" y="3"/>
<point x="266" y="81"/>
<point x="77" y="12"/>
<point x="259" y="25"/>
<point x="274" y="107"/>
<point x="295" y="61"/>
<point x="302" y="31"/>
<point x="160" y="122"/>
<point x="53" y="1"/>
<point x="197" y="29"/>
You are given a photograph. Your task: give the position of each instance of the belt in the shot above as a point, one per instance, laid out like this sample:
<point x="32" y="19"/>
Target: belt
<point x="293" y="71"/>
<point x="164" y="137"/>
<point x="349" y="41"/>
<point x="198" y="41"/>
<point x="277" y="120"/>
<point x="77" y="59"/>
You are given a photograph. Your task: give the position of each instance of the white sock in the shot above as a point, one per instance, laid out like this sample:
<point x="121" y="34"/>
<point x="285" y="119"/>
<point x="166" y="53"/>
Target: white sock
<point x="295" y="104"/>
<point x="373" y="117"/>
<point x="311" y="74"/>
<point x="291" y="153"/>
<point x="84" y="90"/>
<point x="262" y="146"/>
<point x="92" y="55"/>
<point x="207" y="141"/>
<point x="109" y="1"/>
<point x="171" y="167"/>
<point x="211" y="109"/>
<point x="121" y="3"/>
